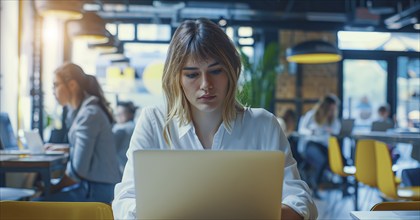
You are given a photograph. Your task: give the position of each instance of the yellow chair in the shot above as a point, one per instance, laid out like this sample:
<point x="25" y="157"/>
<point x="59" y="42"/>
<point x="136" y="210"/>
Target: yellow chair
<point x="337" y="166"/>
<point x="386" y="179"/>
<point x="392" y="206"/>
<point x="365" y="162"/>
<point x="335" y="159"/>
<point x="54" y="210"/>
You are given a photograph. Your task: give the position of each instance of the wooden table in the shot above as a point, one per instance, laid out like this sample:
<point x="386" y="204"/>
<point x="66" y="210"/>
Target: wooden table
<point x="43" y="164"/>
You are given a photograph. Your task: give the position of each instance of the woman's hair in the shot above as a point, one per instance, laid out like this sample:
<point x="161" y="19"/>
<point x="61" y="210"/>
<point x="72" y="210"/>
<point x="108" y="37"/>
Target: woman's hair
<point x="199" y="40"/>
<point x="129" y="107"/>
<point x="323" y="107"/>
<point x="87" y="83"/>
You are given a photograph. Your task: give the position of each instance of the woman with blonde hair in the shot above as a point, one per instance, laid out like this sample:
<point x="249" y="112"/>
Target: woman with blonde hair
<point x="199" y="82"/>
<point x="315" y="127"/>
<point x="92" y="169"/>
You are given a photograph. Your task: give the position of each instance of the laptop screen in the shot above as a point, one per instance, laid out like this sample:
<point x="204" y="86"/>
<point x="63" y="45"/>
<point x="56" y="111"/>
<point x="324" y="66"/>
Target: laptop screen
<point x="7" y="136"/>
<point x="181" y="184"/>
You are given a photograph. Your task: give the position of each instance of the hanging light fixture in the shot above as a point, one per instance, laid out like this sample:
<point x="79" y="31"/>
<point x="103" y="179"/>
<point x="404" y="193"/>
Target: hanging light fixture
<point x="61" y="9"/>
<point x="118" y="55"/>
<point x="109" y="47"/>
<point x="313" y="52"/>
<point x="90" y="28"/>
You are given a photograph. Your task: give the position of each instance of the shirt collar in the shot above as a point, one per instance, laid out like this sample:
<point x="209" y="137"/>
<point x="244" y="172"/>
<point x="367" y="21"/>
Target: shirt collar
<point x="185" y="128"/>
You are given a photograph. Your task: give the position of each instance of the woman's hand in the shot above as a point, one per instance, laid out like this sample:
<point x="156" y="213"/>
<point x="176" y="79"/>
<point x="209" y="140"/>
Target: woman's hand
<point x="289" y="214"/>
<point x="57" y="147"/>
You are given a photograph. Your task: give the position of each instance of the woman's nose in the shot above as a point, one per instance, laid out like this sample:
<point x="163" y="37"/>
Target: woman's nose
<point x="206" y="83"/>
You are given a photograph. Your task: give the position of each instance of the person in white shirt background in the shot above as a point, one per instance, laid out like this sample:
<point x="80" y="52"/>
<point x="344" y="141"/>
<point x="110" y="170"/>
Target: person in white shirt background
<point x="199" y="82"/>
<point x="315" y="127"/>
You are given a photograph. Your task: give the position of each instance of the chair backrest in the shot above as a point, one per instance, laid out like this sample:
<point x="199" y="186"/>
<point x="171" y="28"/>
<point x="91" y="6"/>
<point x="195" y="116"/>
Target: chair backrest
<point x="334" y="157"/>
<point x="54" y="210"/>
<point x="391" y="206"/>
<point x="385" y="175"/>
<point x="365" y="162"/>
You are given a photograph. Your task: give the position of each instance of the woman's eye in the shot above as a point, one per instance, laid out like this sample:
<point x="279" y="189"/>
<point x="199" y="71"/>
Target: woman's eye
<point x="215" y="72"/>
<point x="191" y="75"/>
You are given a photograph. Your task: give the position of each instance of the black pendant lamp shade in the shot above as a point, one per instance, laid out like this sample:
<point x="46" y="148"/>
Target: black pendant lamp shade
<point x="118" y="55"/>
<point x="313" y="52"/>
<point x="66" y="10"/>
<point x="91" y="28"/>
<point x="109" y="47"/>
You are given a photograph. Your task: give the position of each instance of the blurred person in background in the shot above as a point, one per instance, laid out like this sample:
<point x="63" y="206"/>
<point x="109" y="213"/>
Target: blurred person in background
<point x="123" y="129"/>
<point x="315" y="127"/>
<point x="92" y="170"/>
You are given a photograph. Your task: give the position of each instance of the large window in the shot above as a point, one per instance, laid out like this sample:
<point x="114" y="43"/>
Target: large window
<point x="408" y="85"/>
<point x="381" y="41"/>
<point x="364" y="90"/>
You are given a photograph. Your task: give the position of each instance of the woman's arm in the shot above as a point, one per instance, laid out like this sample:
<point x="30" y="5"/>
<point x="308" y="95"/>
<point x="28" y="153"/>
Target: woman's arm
<point x="296" y="199"/>
<point x="124" y="204"/>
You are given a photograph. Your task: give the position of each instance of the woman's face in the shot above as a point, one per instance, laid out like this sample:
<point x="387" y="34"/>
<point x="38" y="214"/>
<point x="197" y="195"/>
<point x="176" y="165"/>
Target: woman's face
<point x="331" y="110"/>
<point x="121" y="115"/>
<point x="204" y="84"/>
<point x="61" y="91"/>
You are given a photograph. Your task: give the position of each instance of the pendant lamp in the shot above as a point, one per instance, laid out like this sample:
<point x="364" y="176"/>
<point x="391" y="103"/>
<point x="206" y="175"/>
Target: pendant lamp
<point x="313" y="52"/>
<point x="66" y="10"/>
<point x="109" y="47"/>
<point x="118" y="55"/>
<point x="90" y="28"/>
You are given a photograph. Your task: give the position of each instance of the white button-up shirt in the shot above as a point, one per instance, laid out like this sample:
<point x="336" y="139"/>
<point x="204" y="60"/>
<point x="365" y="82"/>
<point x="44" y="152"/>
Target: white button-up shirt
<point x="254" y="129"/>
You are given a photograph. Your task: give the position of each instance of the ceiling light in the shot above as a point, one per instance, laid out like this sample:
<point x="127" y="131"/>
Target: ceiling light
<point x="313" y="52"/>
<point x="90" y="28"/>
<point x="60" y="9"/>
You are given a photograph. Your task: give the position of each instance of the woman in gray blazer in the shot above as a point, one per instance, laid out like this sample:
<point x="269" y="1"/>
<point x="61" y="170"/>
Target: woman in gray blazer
<point x="92" y="169"/>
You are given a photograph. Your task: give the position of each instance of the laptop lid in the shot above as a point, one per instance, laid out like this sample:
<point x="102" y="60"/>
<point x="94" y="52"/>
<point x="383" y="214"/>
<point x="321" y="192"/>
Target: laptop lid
<point x="34" y="142"/>
<point x="346" y="127"/>
<point x="179" y="184"/>
<point x="381" y="126"/>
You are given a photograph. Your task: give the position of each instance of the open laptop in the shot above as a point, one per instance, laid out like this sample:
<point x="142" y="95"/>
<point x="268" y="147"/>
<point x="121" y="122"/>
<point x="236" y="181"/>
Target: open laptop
<point x="346" y="127"/>
<point x="181" y="184"/>
<point x="381" y="126"/>
<point x="35" y="144"/>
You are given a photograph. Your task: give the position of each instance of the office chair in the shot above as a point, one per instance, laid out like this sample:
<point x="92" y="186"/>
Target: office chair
<point x="336" y="160"/>
<point x="13" y="210"/>
<point x="386" y="178"/>
<point x="336" y="163"/>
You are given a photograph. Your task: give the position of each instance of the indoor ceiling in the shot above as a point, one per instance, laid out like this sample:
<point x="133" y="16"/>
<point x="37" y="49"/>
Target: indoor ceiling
<point x="357" y="15"/>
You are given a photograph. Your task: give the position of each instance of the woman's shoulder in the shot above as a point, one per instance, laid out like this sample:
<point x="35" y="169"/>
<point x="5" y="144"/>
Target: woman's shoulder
<point x="258" y="113"/>
<point x="258" y="116"/>
<point x="155" y="113"/>
<point x="154" y="110"/>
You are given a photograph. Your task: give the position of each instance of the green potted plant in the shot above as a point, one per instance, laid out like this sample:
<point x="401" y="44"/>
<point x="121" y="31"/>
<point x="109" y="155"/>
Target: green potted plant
<point x="260" y="78"/>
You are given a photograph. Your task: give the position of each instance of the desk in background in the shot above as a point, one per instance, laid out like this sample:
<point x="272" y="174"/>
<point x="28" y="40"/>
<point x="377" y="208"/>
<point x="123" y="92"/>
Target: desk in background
<point x="385" y="215"/>
<point x="42" y="164"/>
<point x="393" y="137"/>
